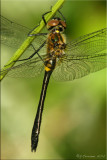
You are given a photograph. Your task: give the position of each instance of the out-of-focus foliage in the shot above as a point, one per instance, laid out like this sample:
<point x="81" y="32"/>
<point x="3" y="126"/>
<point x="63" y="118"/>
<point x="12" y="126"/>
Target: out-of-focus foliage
<point x="73" y="123"/>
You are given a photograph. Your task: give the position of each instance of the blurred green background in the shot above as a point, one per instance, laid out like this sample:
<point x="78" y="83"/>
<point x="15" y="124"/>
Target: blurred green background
<point x="74" y="117"/>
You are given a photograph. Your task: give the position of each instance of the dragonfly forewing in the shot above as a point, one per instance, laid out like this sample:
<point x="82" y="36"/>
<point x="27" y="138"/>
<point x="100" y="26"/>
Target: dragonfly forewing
<point x="84" y="55"/>
<point x="88" y="44"/>
<point x="13" y="35"/>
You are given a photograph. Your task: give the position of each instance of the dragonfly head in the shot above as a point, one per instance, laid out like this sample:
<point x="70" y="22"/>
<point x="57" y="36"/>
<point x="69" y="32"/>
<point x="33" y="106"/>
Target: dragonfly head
<point x="56" y="24"/>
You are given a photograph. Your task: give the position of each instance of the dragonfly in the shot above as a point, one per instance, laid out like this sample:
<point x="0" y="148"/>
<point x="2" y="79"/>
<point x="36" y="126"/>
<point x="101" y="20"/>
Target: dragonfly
<point x="65" y="61"/>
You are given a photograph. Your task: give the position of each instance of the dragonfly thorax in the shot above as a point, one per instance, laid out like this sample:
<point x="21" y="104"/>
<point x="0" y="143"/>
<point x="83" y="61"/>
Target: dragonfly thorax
<point x="55" y="44"/>
<point x="55" y="49"/>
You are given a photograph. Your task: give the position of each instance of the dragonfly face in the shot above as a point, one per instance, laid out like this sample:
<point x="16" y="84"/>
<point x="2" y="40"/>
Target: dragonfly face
<point x="56" y="24"/>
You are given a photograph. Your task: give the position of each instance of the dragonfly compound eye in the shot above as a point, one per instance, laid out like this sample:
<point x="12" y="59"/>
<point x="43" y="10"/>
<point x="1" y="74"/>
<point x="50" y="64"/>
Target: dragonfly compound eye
<point x="63" y="23"/>
<point x="52" y="23"/>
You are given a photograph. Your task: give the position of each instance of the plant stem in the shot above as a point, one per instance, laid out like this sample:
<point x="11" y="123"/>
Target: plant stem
<point x="29" y="39"/>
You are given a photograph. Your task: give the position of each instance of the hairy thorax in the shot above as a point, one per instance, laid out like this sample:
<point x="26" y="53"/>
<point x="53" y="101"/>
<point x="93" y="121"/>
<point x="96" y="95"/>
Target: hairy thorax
<point x="55" y="44"/>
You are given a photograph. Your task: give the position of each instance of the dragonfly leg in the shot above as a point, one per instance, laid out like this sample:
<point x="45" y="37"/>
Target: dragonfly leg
<point x="36" y="52"/>
<point x="43" y="16"/>
<point x="39" y="34"/>
<point x="32" y="30"/>
<point x="62" y="14"/>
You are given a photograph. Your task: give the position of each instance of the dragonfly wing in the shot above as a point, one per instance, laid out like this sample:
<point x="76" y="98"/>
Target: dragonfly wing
<point x="31" y="68"/>
<point x="89" y="44"/>
<point x="82" y="56"/>
<point x="13" y="34"/>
